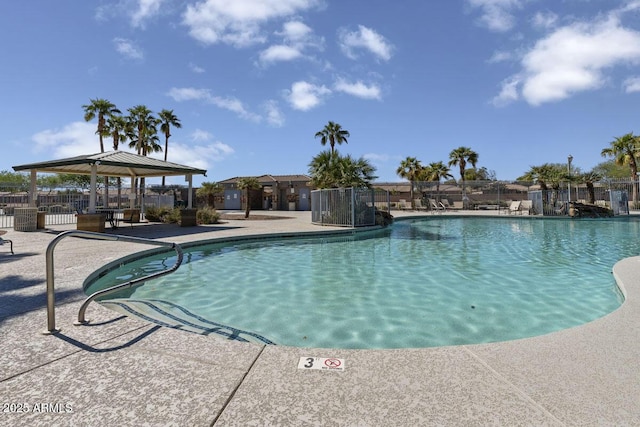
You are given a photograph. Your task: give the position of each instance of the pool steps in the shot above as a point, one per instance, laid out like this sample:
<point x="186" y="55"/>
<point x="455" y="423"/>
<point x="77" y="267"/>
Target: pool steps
<point x="170" y="315"/>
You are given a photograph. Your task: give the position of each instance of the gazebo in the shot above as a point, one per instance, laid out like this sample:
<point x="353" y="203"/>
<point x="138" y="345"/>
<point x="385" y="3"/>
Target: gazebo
<point x="110" y="163"/>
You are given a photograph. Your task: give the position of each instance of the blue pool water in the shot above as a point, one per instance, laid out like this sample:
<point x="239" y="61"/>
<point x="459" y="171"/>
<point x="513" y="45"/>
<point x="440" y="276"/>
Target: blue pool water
<point x="420" y="283"/>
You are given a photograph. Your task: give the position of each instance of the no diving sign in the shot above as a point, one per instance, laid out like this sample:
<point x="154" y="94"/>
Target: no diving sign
<point x="322" y="363"/>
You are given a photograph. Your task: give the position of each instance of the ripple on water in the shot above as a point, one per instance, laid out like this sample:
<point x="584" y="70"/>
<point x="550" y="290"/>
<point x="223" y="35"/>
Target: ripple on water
<point x="422" y="283"/>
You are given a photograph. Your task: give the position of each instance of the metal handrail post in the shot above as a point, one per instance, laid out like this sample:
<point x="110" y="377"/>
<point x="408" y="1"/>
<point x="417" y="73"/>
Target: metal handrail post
<point x="51" y="298"/>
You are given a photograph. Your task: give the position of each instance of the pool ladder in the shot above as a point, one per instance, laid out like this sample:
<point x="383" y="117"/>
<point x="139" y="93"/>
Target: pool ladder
<point x="51" y="316"/>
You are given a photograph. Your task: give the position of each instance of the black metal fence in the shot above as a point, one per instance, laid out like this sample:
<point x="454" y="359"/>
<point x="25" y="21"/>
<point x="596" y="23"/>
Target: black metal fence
<point x="61" y="205"/>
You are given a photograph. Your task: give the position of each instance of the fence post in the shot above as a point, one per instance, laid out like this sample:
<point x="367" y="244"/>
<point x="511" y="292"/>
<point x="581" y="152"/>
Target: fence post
<point x="353" y="207"/>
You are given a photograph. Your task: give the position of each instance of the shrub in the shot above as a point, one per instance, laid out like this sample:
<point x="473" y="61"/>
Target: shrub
<point x="155" y="214"/>
<point x="172" y="216"/>
<point x="207" y="215"/>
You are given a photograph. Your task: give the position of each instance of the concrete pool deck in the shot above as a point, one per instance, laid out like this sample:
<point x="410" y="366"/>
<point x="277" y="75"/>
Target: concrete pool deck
<point x="126" y="372"/>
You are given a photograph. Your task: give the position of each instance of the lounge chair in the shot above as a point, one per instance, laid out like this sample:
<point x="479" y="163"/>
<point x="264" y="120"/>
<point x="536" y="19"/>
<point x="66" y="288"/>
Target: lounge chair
<point x="514" y="207"/>
<point x="402" y="204"/>
<point x="435" y="206"/>
<point x="445" y="204"/>
<point x="527" y="206"/>
<point x="561" y="209"/>
<point x="3" y="241"/>
<point x="419" y="205"/>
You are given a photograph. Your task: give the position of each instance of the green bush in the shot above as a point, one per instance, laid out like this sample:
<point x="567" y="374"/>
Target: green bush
<point x="155" y="214"/>
<point x="207" y="215"/>
<point x="172" y="216"/>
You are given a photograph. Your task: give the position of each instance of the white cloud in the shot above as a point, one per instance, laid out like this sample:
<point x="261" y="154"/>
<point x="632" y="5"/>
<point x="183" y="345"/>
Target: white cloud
<point x="279" y="53"/>
<point x="74" y="139"/>
<point x="572" y="59"/>
<point x="297" y="37"/>
<point x="227" y="103"/>
<point x="274" y="115"/>
<point x="376" y="158"/>
<point x="364" y="38"/>
<point x="127" y="48"/>
<point x="146" y="9"/>
<point x="238" y="22"/>
<point x="632" y="84"/>
<point x="496" y="14"/>
<point x="188" y="94"/>
<point x="508" y="92"/>
<point x="544" y="20"/>
<point x="196" y="68"/>
<point x="500" y="56"/>
<point x="358" y="89"/>
<point x="305" y="96"/>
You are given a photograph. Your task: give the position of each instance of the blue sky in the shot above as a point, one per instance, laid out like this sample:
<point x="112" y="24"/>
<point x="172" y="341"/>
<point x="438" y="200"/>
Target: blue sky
<point x="521" y="82"/>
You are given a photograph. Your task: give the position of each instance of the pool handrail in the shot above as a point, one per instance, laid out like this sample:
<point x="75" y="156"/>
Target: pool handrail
<point x="51" y="318"/>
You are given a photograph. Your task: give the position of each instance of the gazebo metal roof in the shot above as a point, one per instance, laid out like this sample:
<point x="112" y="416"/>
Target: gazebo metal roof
<point x="112" y="163"/>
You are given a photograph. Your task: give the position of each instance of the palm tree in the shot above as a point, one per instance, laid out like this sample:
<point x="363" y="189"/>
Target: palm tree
<point x="588" y="178"/>
<point x="409" y="169"/>
<point x="208" y="191"/>
<point x="143" y="133"/>
<point x="436" y="171"/>
<point x="333" y="134"/>
<point x="143" y="130"/>
<point x="103" y="109"/>
<point x="167" y="119"/>
<point x="248" y="184"/>
<point x="461" y="156"/>
<point x="350" y="172"/>
<point x="331" y="170"/>
<point x="625" y="150"/>
<point x="117" y="128"/>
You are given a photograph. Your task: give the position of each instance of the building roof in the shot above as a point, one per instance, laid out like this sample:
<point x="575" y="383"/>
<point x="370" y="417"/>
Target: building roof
<point x="268" y="179"/>
<point x="112" y="163"/>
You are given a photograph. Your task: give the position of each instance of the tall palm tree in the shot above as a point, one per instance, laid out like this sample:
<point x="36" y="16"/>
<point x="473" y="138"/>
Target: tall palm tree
<point x="409" y="169"/>
<point x="625" y="150"/>
<point x="167" y="119"/>
<point x="103" y="109"/>
<point x="143" y="134"/>
<point x="461" y="156"/>
<point x="208" y="191"/>
<point x="248" y="184"/>
<point x="117" y="127"/>
<point x="333" y="134"/>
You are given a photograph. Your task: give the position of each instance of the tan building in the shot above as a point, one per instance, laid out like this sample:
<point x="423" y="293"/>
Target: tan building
<point x="278" y="192"/>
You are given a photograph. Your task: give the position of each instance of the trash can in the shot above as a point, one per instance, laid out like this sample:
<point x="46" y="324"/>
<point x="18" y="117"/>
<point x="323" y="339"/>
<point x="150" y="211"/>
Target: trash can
<point x="25" y="219"/>
<point x="42" y="218"/>
<point x="188" y="217"/>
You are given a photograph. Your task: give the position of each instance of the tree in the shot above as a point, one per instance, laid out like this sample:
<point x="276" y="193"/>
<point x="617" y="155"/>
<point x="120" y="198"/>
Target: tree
<point x="118" y="128"/>
<point x="625" y="150"/>
<point x="436" y="171"/>
<point x="460" y="157"/>
<point x="208" y="191"/>
<point x="409" y="169"/>
<point x="331" y="170"/>
<point x="167" y="119"/>
<point x="333" y="134"/>
<point x="143" y="133"/>
<point x="248" y="184"/>
<point x="351" y="172"/>
<point x="588" y="178"/>
<point x="548" y="175"/>
<point x="103" y="109"/>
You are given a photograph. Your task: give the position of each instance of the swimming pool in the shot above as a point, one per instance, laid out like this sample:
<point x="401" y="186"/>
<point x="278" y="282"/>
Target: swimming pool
<point x="420" y="283"/>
